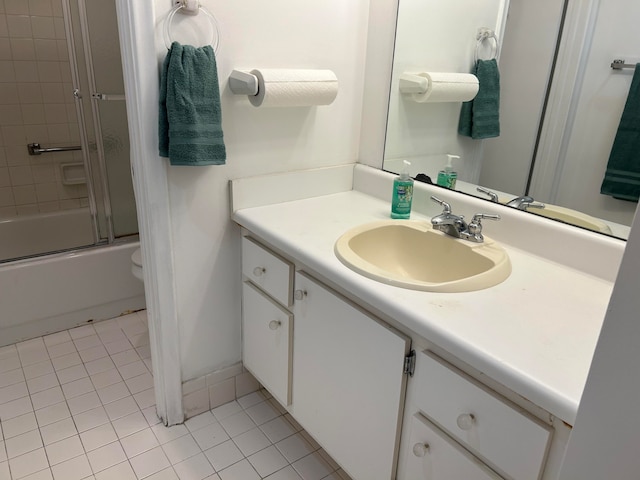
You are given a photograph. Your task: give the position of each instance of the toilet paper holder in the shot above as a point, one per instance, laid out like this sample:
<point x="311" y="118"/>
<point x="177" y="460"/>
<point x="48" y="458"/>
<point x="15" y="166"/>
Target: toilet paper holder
<point x="243" y="83"/>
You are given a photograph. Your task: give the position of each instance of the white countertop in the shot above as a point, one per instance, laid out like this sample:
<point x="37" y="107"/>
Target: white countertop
<point x="535" y="333"/>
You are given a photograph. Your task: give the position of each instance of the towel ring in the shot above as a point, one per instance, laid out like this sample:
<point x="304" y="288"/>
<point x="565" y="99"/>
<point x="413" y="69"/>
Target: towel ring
<point x="180" y="4"/>
<point x="486" y="34"/>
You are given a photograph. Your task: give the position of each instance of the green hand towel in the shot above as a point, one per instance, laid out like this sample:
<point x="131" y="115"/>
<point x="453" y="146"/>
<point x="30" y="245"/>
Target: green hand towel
<point x="622" y="177"/>
<point x="480" y="118"/>
<point x="190" y="120"/>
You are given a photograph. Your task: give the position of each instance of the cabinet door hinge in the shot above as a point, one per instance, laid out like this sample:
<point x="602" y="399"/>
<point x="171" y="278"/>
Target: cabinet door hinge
<point x="410" y="363"/>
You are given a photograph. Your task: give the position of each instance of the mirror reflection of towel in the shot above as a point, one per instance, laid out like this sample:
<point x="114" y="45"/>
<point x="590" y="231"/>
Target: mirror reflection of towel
<point x="190" y="117"/>
<point x="480" y="118"/>
<point x="622" y="177"/>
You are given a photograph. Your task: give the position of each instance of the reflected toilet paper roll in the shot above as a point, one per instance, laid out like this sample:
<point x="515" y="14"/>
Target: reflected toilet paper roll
<point x="447" y="87"/>
<point x="294" y="88"/>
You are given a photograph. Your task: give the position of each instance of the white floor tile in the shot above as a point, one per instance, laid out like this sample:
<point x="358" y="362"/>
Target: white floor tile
<point x="199" y="421"/>
<point x="91" y="419"/>
<point x="268" y="461"/>
<point x="237" y="424"/>
<point x="75" y="469"/>
<point x="294" y="447"/>
<point x="150" y="462"/>
<point x="113" y="392"/>
<point x="92" y="415"/>
<point x="41" y="475"/>
<point x="121" y="408"/>
<point x="11" y="377"/>
<point x="98" y="437"/>
<point x="251" y="442"/>
<point x="47" y="397"/>
<point x="58" y="431"/>
<point x="139" y="442"/>
<point x="83" y="403"/>
<point x="52" y="414"/>
<point x="121" y="471"/>
<point x="64" y="450"/>
<point x="19" y="425"/>
<point x="105" y="379"/>
<point x="132" y="369"/>
<point x="312" y="467"/>
<point x="223" y="455"/>
<point x="106" y="457"/>
<point x="77" y="388"/>
<point x="24" y="443"/>
<point x="210" y="436"/>
<point x="28" y="463"/>
<point x="287" y="473"/>
<point x="262" y="412"/>
<point x="194" y="468"/>
<point x="66" y="361"/>
<point x="277" y="429"/>
<point x="239" y="471"/>
<point x="130" y="424"/>
<point x="180" y="449"/>
<point x="44" y="382"/>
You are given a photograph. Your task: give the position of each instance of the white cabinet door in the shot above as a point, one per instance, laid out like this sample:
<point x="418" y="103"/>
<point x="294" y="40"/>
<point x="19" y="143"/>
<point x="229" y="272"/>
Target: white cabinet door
<point x="266" y="342"/>
<point x="432" y="455"/>
<point x="348" y="381"/>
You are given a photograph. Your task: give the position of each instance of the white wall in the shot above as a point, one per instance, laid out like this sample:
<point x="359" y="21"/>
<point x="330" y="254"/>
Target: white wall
<point x="604" y="442"/>
<point x="277" y="34"/>
<point x="436" y="38"/>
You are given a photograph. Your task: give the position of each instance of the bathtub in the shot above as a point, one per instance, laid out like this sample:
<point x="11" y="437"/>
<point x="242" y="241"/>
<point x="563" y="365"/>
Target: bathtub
<point x="55" y="292"/>
<point x="47" y="232"/>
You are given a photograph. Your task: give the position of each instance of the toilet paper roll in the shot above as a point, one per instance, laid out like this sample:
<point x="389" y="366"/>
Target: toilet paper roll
<point x="447" y="87"/>
<point x="294" y="88"/>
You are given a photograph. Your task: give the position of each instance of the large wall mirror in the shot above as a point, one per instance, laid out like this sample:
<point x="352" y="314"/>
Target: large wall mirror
<point x="560" y="101"/>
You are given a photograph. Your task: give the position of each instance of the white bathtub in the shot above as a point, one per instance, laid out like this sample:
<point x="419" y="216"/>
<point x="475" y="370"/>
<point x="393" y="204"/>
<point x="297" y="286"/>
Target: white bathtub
<point x="47" y="232"/>
<point x="55" y="292"/>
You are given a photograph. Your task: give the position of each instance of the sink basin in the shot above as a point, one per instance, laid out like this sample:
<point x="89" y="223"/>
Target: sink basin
<point x="571" y="216"/>
<point x="411" y="254"/>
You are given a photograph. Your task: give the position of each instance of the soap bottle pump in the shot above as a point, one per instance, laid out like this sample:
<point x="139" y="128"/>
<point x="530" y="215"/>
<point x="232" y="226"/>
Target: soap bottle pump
<point x="447" y="176"/>
<point x="402" y="193"/>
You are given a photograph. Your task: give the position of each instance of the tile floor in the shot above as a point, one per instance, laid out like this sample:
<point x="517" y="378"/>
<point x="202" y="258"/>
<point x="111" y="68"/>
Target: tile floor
<point x="80" y="404"/>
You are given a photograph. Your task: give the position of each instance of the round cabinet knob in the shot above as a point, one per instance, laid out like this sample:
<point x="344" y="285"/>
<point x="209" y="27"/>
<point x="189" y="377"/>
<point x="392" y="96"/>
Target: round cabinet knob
<point x="420" y="449"/>
<point x="259" y="271"/>
<point x="465" y="421"/>
<point x="274" y="324"/>
<point x="299" y="294"/>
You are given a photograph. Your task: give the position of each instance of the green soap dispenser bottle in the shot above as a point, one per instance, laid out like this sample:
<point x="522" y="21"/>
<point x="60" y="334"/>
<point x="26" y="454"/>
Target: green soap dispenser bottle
<point x="447" y="176"/>
<point x="402" y="193"/>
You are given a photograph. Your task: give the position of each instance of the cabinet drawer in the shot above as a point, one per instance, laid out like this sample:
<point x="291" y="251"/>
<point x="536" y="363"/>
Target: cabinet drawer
<point x="267" y="342"/>
<point x="432" y="455"/>
<point x="267" y="270"/>
<point x="510" y="439"/>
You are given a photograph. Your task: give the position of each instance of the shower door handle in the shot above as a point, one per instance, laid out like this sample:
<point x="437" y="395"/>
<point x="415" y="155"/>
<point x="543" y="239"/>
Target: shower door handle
<point x="34" y="149"/>
<point x="107" y="96"/>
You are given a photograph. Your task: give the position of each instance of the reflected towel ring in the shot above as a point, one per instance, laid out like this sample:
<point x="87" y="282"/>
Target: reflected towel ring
<point x="215" y="34"/>
<point x="486" y="34"/>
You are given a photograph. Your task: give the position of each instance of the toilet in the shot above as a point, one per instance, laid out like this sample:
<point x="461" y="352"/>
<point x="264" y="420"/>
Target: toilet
<point x="136" y="264"/>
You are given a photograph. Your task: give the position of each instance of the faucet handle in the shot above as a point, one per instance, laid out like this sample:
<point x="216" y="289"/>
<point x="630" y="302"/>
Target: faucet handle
<point x="493" y="196"/>
<point x="474" y="229"/>
<point x="446" y="207"/>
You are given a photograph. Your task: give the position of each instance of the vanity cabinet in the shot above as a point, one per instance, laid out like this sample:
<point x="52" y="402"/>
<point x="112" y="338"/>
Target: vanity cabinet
<point x="267" y="325"/>
<point x="495" y="431"/>
<point x="348" y="380"/>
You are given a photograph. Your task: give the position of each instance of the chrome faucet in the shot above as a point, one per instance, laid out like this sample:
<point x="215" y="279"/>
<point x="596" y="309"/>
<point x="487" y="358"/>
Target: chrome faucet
<point x="455" y="226"/>
<point x="525" y="202"/>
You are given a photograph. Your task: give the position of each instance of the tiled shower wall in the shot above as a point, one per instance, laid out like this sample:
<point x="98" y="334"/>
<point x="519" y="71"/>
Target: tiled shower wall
<point x="36" y="106"/>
